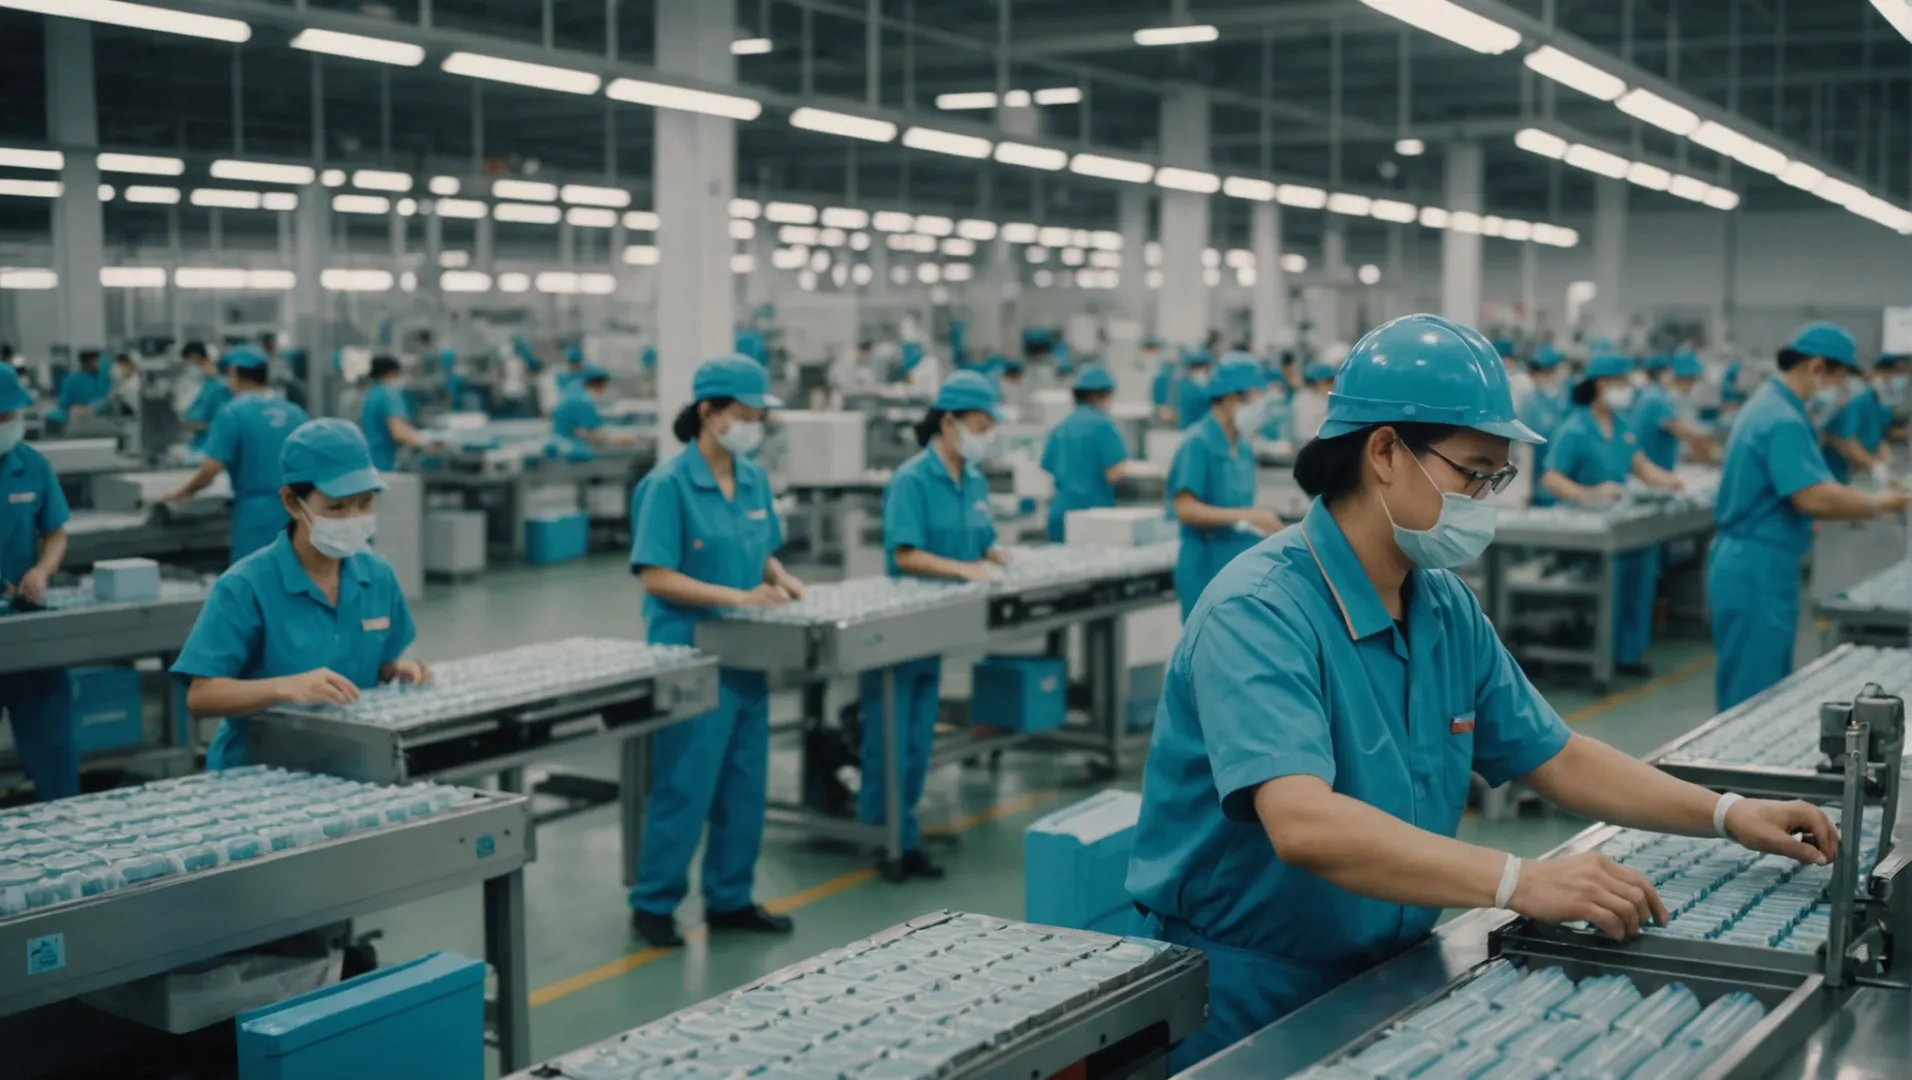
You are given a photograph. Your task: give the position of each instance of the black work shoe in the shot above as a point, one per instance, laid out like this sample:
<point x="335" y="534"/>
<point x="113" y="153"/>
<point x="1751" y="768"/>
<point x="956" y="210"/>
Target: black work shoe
<point x="658" y="931"/>
<point x="892" y="870"/>
<point x="754" y="918"/>
<point x="917" y="864"/>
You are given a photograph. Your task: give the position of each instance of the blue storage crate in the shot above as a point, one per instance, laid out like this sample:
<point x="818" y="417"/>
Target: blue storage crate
<point x="105" y="705"/>
<point x="1019" y="693"/>
<point x="556" y="538"/>
<point x="1076" y="861"/>
<point x="422" y="1020"/>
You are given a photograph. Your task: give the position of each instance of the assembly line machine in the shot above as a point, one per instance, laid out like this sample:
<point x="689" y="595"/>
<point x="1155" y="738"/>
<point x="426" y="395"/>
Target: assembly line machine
<point x="1878" y="610"/>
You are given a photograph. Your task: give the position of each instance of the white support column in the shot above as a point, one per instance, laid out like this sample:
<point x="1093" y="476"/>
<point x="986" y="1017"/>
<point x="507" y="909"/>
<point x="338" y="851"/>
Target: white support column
<point x="1182" y="318"/>
<point x="693" y="175"/>
<point x="1331" y="313"/>
<point x="1268" y="300"/>
<point x="312" y="251"/>
<point x="79" y="236"/>
<point x="1608" y="317"/>
<point x="1530" y="288"/>
<point x="1132" y="211"/>
<point x="1460" y="252"/>
<point x="288" y="260"/>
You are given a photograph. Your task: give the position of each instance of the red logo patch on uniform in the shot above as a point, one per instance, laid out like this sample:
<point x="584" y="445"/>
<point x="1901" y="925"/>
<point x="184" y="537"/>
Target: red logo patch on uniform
<point x="1460" y="725"/>
<point x="697" y="545"/>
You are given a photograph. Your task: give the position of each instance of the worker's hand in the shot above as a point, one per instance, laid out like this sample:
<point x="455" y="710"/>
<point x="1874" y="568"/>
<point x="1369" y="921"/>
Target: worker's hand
<point x="175" y="496"/>
<point x="1675" y="483"/>
<point x="765" y="595"/>
<point x="1887" y="503"/>
<point x="1263" y="521"/>
<point x="415" y="672"/>
<point x="1794" y="829"/>
<point x="623" y="438"/>
<point x="979" y="571"/>
<point x="999" y="556"/>
<point x="790" y="585"/>
<point x="1607" y="492"/>
<point x="1592" y="888"/>
<point x="32" y="585"/>
<point x="320" y="686"/>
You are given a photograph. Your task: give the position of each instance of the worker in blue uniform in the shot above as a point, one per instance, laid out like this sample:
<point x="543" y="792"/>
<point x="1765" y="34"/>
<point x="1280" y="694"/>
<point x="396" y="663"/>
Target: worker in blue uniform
<point x="1191" y="387"/>
<point x="245" y="441"/>
<point x="1544" y="408"/>
<point x="386" y="416"/>
<point x="1211" y="483"/>
<point x="1593" y="453"/>
<point x="87" y="390"/>
<point x="212" y="396"/>
<point x="1774" y="483"/>
<point x="577" y="416"/>
<point x="1085" y="454"/>
<point x="1335" y="689"/>
<point x="704" y="535"/>
<point x="936" y="524"/>
<point x="1666" y="427"/>
<point x="1855" y="434"/>
<point x="313" y="617"/>
<point x="33" y="516"/>
<point x="574" y="368"/>
<point x="1162" y="384"/>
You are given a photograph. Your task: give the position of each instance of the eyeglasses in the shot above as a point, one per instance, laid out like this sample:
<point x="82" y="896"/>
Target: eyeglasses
<point x="1479" y="483"/>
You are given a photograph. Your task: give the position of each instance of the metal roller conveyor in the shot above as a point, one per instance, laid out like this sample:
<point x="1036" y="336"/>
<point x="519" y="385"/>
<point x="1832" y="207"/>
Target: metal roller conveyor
<point x="947" y="996"/>
<point x="228" y="861"/>
<point x="1055" y="586"/>
<point x="200" y="536"/>
<point x="1877" y="610"/>
<point x="70" y="628"/>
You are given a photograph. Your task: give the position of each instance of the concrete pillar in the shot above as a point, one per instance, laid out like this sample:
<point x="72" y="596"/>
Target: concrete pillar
<point x="694" y="162"/>
<point x="1268" y="300"/>
<point x="288" y="257"/>
<point x="482" y="247"/>
<point x="1460" y="251"/>
<point x="1608" y="316"/>
<point x="1530" y="288"/>
<point x="1182" y="315"/>
<point x="79" y="236"/>
<point x="1023" y="122"/>
<point x="1331" y="314"/>
<point x="1132" y="210"/>
<point x="312" y="252"/>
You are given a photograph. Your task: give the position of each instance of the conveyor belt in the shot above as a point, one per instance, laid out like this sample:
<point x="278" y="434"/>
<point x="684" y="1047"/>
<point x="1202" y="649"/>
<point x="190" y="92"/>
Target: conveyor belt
<point x="73" y="629"/>
<point x="1878" y="609"/>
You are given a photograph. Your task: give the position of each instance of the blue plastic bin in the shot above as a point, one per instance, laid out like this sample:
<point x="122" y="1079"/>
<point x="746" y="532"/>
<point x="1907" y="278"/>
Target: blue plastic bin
<point x="1076" y="862"/>
<point x="106" y="708"/>
<point x="1019" y="693"/>
<point x="421" y="1020"/>
<point x="556" y="538"/>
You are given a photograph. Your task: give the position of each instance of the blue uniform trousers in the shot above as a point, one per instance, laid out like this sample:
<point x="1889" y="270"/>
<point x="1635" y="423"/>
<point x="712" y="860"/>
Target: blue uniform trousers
<point x="1753" y="589"/>
<point x="1636" y="584"/>
<point x="39" y="705"/>
<point x="919" y="685"/>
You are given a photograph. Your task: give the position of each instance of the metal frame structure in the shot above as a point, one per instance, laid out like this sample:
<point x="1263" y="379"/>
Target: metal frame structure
<point x="504" y="496"/>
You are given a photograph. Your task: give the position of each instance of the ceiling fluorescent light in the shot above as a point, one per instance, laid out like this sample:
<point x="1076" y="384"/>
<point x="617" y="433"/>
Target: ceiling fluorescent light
<point x="1433" y="217"/>
<point x="1802" y="176"/>
<point x="225" y="198"/>
<point x="743" y="264"/>
<point x="526" y="213"/>
<point x="443" y="185"/>
<point x="1656" y="110"/>
<point x="36" y="279"/>
<point x="892" y="221"/>
<point x="464" y="281"/>
<point x="590" y="217"/>
<point x="1556" y="236"/>
<point x="1246" y="187"/>
<point x="279" y="280"/>
<point x="845" y="217"/>
<point x="642" y="255"/>
<point x="748" y="209"/>
<point x="133" y="277"/>
<point x="514" y="282"/>
<point x="138" y="17"/>
<point x="15" y="158"/>
<point x="1464" y="221"/>
<point x="792" y="235"/>
<point x="381" y="180"/>
<point x="359" y="47"/>
<point x="1195" y="180"/>
<point x="525" y="190"/>
<point x="1110" y="168"/>
<point x="1294" y="264"/>
<point x="1176" y="35"/>
<point x="830" y="237"/>
<point x="975" y="229"/>
<point x="1343" y="203"/>
<point x="947" y="142"/>
<point x="209" y="277"/>
<point x="153" y="196"/>
<point x="557" y="282"/>
<point x="1059" y="95"/>
<point x="1020" y="232"/>
<point x="31" y="189"/>
<point x="280" y="200"/>
<point x="261" y="172"/>
<point x="1409" y="147"/>
<point x="1834" y="190"/>
<point x="332" y="178"/>
<point x="1753" y="154"/>
<point x="461" y="208"/>
<point x="1031" y="157"/>
<point x="1575" y="74"/>
<point x="1016" y="99"/>
<point x="959" y="247"/>
<point x="1393" y="210"/>
<point x="844" y="124"/>
<point x="361" y="204"/>
<point x="1053" y="236"/>
<point x="752" y="46"/>
<point x="741" y="230"/>
<point x="1450" y="21"/>
<point x="520" y="73"/>
<point x="1898" y="13"/>
<point x="1104" y="240"/>
<point x="784" y="213"/>
<point x="1492" y="225"/>
<point x="1515" y="229"/>
<point x="1649" y="176"/>
<point x="683" y="98"/>
<point x="1688" y="188"/>
<point x="1722" y="199"/>
<point x="934" y="225"/>
<point x="587" y="195"/>
<point x="1544" y="143"/>
<point x="969" y="99"/>
<point x="1300" y="195"/>
<point x="341" y="279"/>
<point x="1596" y="160"/>
<point x="958" y="272"/>
<point x="145" y="164"/>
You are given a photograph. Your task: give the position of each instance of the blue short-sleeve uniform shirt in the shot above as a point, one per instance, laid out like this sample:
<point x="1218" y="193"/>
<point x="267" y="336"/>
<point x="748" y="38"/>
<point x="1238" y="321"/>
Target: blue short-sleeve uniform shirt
<point x="246" y="437"/>
<point x="681" y="521"/>
<point x="577" y="412"/>
<point x="382" y="403"/>
<point x="1864" y="419"/>
<point x="1191" y="402"/>
<point x="31" y="506"/>
<point x="1648" y="419"/>
<point x="1213" y="471"/>
<point x="212" y="397"/>
<point x="1772" y="455"/>
<point x="79" y="388"/>
<point x="1584" y="454"/>
<point x="925" y="507"/>
<point x="1079" y="453"/>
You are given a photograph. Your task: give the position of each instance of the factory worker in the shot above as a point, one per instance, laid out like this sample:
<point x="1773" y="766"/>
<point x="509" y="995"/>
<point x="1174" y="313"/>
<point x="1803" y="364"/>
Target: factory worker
<point x="386" y="416"/>
<point x="1662" y="418"/>
<point x="1775" y="482"/>
<point x="212" y="396"/>
<point x="1336" y="687"/>
<point x="87" y="390"/>
<point x="936" y="524"/>
<point x="1855" y="434"/>
<point x="1310" y="405"/>
<point x="313" y="617"/>
<point x="577" y="416"/>
<point x="1592" y="454"/>
<point x="705" y="535"/>
<point x="1085" y="453"/>
<point x="1519" y="382"/>
<point x="1211" y="483"/>
<point x="573" y="373"/>
<point x="1191" y="389"/>
<point x="33" y="515"/>
<point x="245" y="440"/>
<point x="1162" y="384"/>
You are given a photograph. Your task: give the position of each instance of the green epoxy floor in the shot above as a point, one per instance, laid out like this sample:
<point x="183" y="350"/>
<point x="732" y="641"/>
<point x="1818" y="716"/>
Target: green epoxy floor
<point x="591" y="979"/>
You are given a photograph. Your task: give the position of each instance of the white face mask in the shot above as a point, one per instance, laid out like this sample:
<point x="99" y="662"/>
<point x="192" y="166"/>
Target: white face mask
<point x="1639" y="378"/>
<point x="742" y="438"/>
<point x="341" y="537"/>
<point x="1618" y="398"/>
<point x="1458" y="536"/>
<point x="11" y="434"/>
<point x="1199" y="376"/>
<point x="1251" y="415"/>
<point x="973" y="447"/>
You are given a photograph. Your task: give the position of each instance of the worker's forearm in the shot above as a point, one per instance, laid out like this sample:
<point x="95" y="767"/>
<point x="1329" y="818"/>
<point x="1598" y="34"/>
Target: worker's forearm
<point x="1854" y="451"/>
<point x="1835" y="502"/>
<point x="233" y="697"/>
<point x="1594" y="780"/>
<point x="922" y="563"/>
<point x="1113" y="474"/>
<point x="404" y="434"/>
<point x="679" y="588"/>
<point x="1653" y="474"/>
<point x="1372" y="853"/>
<point x="207" y="472"/>
<point x="1560" y="487"/>
<point x="1197" y="514"/>
<point x="52" y="551"/>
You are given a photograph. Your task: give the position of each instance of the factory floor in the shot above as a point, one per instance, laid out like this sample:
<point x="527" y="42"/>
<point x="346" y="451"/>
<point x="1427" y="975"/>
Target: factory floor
<point x="590" y="978"/>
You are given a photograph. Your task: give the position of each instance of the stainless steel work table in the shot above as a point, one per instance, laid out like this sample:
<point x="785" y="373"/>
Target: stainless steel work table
<point x="198" y="538"/>
<point x="483" y="490"/>
<point x="97" y="633"/>
<point x="1877" y="611"/>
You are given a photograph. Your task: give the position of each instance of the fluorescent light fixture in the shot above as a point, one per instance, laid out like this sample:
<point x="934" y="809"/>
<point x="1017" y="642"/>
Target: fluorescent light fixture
<point x="1557" y="236"/>
<point x="1110" y="168"/>
<point x="1081" y="238"/>
<point x="1688" y="188"/>
<point x="1019" y="232"/>
<point x="1036" y="253"/>
<point x="1245" y="276"/>
<point x="645" y="221"/>
<point x="1294" y="264"/>
<point x="146" y="164"/>
<point x="1017" y="99"/>
<point x="830" y="238"/>
<point x="359" y="47"/>
<point x="280" y="200"/>
<point x="862" y="274"/>
<point x="272" y="280"/>
<point x="32" y="279"/>
<point x="1749" y="152"/>
<point x="859" y="241"/>
<point x="892" y="221"/>
<point x="684" y="99"/>
<point x="224" y="198"/>
<point x="748" y="209"/>
<point x="1491" y="225"/>
<point x="332" y="178"/>
<point x="1656" y="110"/>
<point x="454" y="259"/>
<point x="1153" y="279"/>
<point x="1342" y="202"/>
<point x="1197" y="34"/>
<point x="976" y="229"/>
<point x="31" y="189"/>
<point x="16" y="158"/>
<point x="1464" y="221"/>
<point x="784" y="258"/>
<point x="1301" y="195"/>
<point x="1409" y="147"/>
<point x="959" y="247"/>
<point x="1595" y="160"/>
<point x="209" y="277"/>
<point x="1575" y="74"/>
<point x="845" y="217"/>
<point x="443" y="185"/>
<point x="1073" y="256"/>
<point x="514" y="283"/>
<point x="1195" y="180"/>
<point x="381" y="180"/>
<point x="405" y="207"/>
<point x="967" y="99"/>
<point x="1450" y="21"/>
<point x="743" y="264"/>
<point x="1212" y="277"/>
<point x="520" y="73"/>
<point x="751" y="46"/>
<point x="361" y="204"/>
<point x="526" y="213"/>
<point x="958" y="272"/>
<point x="929" y="273"/>
<point x="844" y="124"/>
<point x="1104" y="240"/>
<point x="1516" y="229"/>
<point x="138" y="17"/>
<point x="1059" y="95"/>
<point x="1834" y="190"/>
<point x="1031" y="157"/>
<point x="1054" y="236"/>
<point x="1106" y="259"/>
<point x="934" y="225"/>
<point x="742" y="230"/>
<point x="591" y="217"/>
<point x="1722" y="199"/>
<point x="107" y="192"/>
<point x="1898" y="13"/>
<point x="947" y="142"/>
<point x="587" y="195"/>
<point x="133" y="277"/>
<point x="1369" y="274"/>
<point x="1649" y="176"/>
<point x="798" y="234"/>
<point x="1802" y="176"/>
<point x="557" y="282"/>
<point x="470" y="209"/>
<point x="642" y="255"/>
<point x="464" y="281"/>
<point x="261" y="172"/>
<point x="524" y="190"/>
<point x="785" y="213"/>
<point x="917" y="242"/>
<point x="152" y="196"/>
<point x="1544" y="143"/>
<point x="1245" y="187"/>
<point x="819" y="261"/>
<point x="1393" y="210"/>
<point x="1433" y="217"/>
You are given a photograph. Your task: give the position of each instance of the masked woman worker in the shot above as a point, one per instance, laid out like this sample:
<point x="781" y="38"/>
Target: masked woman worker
<point x="704" y="535"/>
<point x="246" y="439"/>
<point x="314" y="616"/>
<point x="1084" y="453"/>
<point x="1592" y="454"/>
<point x="936" y="525"/>
<point x="1335" y="687"/>
<point x="1211" y="483"/>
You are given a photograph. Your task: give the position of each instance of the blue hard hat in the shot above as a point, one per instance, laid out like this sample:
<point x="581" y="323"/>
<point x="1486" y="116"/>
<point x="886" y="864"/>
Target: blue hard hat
<point x="592" y="373"/>
<point x="968" y="391"/>
<point x="1829" y="340"/>
<point x="1095" y="378"/>
<point x="1197" y="355"/>
<point x="1608" y="366"/>
<point x="735" y="376"/>
<point x="245" y="358"/>
<point x="1235" y="377"/>
<point x="1545" y="357"/>
<point x="1318" y="372"/>
<point x="1425" y="369"/>
<point x="1658" y="362"/>
<point x="13" y="395"/>
<point x="331" y="455"/>
<point x="1687" y="366"/>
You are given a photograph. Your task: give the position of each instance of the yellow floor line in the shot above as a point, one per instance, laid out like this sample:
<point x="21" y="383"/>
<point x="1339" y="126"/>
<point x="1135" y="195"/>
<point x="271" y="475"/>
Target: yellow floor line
<point x="1631" y="694"/>
<point x="782" y="905"/>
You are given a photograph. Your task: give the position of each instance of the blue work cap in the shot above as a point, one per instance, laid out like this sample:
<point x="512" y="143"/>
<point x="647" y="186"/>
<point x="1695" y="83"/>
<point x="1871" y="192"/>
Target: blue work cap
<point x="331" y="455"/>
<point x="1318" y="372"/>
<point x="1095" y="378"/>
<point x="1152" y="343"/>
<point x="968" y="391"/>
<point x="1545" y="357"/>
<point x="1425" y="369"/>
<point x="1235" y="377"/>
<point x="1014" y="365"/>
<point x="1658" y="362"/>
<point x="245" y="358"/>
<point x="1889" y="360"/>
<point x="574" y="355"/>
<point x="1608" y="366"/>
<point x="1196" y="355"/>
<point x="737" y="377"/>
<point x="1687" y="366"/>
<point x="1504" y="346"/>
<point x="13" y="396"/>
<point x="592" y="373"/>
<point x="1825" y="339"/>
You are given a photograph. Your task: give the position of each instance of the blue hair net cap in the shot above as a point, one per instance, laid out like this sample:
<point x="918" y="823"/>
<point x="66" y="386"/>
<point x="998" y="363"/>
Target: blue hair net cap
<point x="1608" y="366"/>
<point x="1318" y="372"/>
<point x="968" y="391"/>
<point x="1687" y="366"/>
<point x="1095" y="378"/>
<point x="592" y="373"/>
<point x="1197" y="355"/>
<point x="1504" y="346"/>
<point x="574" y="355"/>
<point x="1235" y="377"/>
<point x="1545" y="357"/>
<point x="1829" y="340"/>
<point x="331" y="455"/>
<point x="14" y="396"/>
<point x="245" y="358"/>
<point x="734" y="376"/>
<point x="1425" y="369"/>
<point x="1658" y="362"/>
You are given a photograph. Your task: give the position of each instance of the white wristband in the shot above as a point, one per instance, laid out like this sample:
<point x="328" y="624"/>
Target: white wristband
<point x="1509" y="881"/>
<point x="1720" y="808"/>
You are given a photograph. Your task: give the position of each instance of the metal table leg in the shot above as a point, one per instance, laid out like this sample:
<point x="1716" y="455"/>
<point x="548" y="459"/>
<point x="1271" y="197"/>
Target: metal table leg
<point x="504" y="951"/>
<point x="1104" y="648"/>
<point x="515" y="493"/>
<point x="1603" y="622"/>
<point x="634" y="792"/>
<point x="512" y="780"/>
<point x="892" y="769"/>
